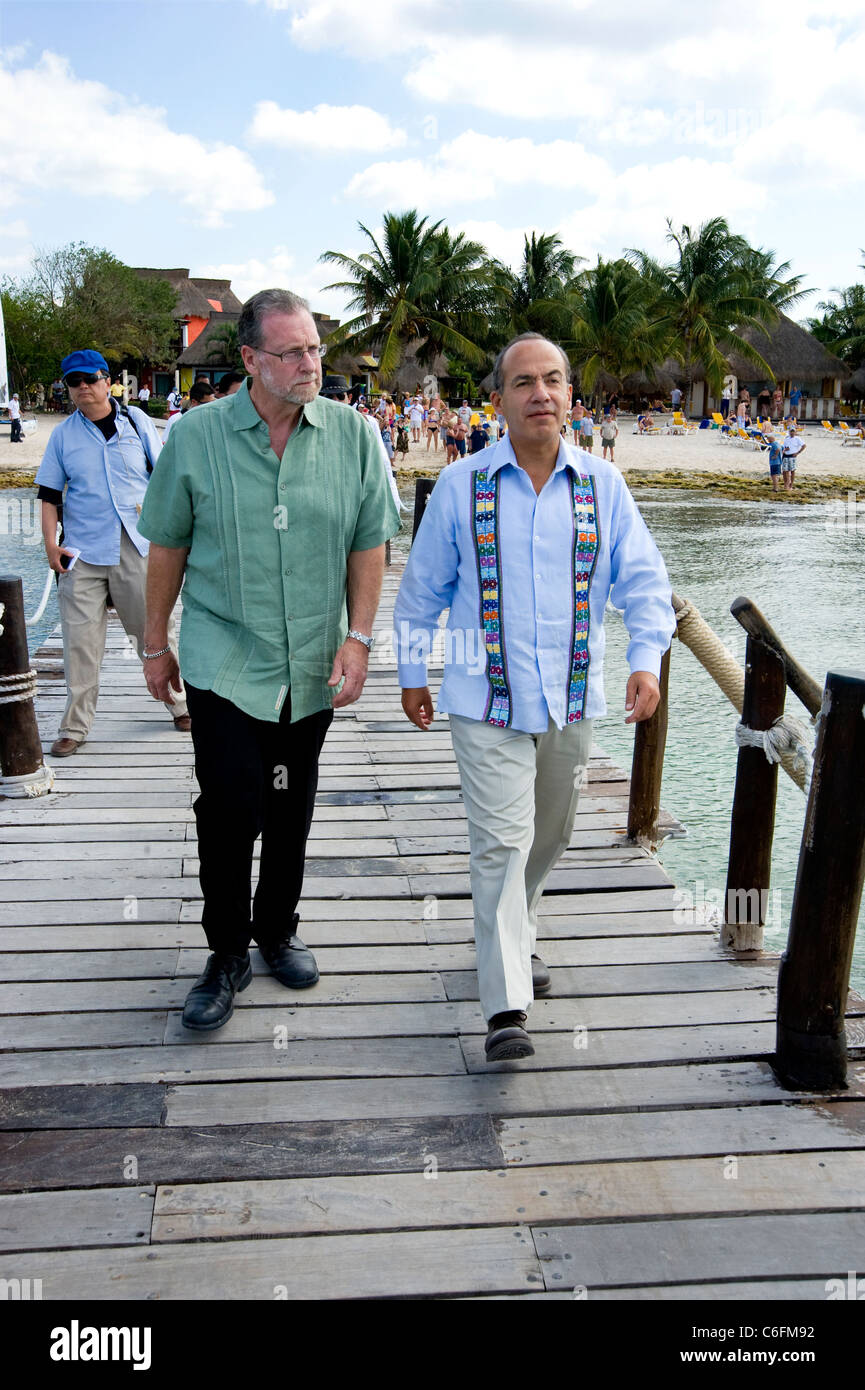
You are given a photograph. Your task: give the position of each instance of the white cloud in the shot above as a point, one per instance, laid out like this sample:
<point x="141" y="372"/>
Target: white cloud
<point x="280" y="269"/>
<point x="474" y="166"/>
<point x="16" y="250"/>
<point x="130" y="152"/>
<point x="324" y="129"/>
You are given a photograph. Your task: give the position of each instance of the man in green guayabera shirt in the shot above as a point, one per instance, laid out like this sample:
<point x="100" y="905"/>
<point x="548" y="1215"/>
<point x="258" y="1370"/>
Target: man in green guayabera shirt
<point x="272" y="507"/>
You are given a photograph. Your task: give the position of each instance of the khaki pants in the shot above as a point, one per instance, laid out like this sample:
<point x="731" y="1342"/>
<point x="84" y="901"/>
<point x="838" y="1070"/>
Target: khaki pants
<point x="520" y="793"/>
<point x="81" y="596"/>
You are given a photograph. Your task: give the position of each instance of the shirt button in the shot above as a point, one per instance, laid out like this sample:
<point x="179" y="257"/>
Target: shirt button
<point x="282" y="487"/>
<point x="537" y="576"/>
<point x="288" y="571"/>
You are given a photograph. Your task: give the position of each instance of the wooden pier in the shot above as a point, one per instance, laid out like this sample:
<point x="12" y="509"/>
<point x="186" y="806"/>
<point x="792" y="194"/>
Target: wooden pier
<point x="350" y="1141"/>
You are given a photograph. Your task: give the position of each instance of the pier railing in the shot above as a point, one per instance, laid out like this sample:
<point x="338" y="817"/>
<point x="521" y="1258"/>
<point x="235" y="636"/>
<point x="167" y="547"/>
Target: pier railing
<point x="814" y="977"/>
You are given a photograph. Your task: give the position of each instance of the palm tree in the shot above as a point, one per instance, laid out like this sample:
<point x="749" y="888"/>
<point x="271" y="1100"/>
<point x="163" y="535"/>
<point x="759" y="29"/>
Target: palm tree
<point x="411" y="286"/>
<point x="842" y="327"/>
<point x="610" y="329"/>
<point x="534" y="299"/>
<point x="223" y="347"/>
<point x="704" y="298"/>
<point x="768" y="279"/>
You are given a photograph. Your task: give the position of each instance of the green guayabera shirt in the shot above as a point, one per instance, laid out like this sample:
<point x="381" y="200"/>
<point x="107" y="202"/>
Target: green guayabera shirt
<point x="264" y="598"/>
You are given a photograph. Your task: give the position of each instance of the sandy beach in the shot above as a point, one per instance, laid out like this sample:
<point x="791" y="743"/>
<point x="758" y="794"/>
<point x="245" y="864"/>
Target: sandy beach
<point x="697" y="453"/>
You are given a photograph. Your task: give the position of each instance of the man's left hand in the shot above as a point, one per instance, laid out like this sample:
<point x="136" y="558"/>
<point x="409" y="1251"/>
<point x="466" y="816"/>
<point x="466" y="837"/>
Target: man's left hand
<point x="352" y="663"/>
<point x="642" y="696"/>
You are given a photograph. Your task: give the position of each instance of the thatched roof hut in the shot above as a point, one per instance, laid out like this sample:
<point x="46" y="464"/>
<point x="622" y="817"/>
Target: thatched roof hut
<point x="197" y="354"/>
<point x="791" y="351"/>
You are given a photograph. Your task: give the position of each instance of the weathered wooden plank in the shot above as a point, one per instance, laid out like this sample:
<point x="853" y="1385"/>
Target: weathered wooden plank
<point x="53" y="1220"/>
<point x="636" y="979"/>
<point x="602" y="924"/>
<point x="251" y="1024"/>
<point x="81" y="1107"/>
<point x="539" y="1139"/>
<point x="135" y="1029"/>
<point x="587" y="1192"/>
<point x="380" y="959"/>
<point x="84" y="911"/>
<point x="537" y="1093"/>
<point x="744" y="1247"/>
<point x="23" y="858"/>
<point x="81" y="1158"/>
<point x="330" y="1057"/>
<point x="586" y="1047"/>
<point x="89" y="965"/>
<point x="149" y="935"/>
<point x="413" y="1263"/>
<point x="74" y="996"/>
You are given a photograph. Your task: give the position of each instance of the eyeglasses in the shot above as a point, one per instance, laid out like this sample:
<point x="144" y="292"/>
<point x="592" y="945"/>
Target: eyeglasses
<point x="82" y="378"/>
<point x="296" y="355"/>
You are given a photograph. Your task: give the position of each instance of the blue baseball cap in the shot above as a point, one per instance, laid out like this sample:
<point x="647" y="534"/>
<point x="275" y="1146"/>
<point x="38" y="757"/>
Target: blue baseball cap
<point x="85" y="360"/>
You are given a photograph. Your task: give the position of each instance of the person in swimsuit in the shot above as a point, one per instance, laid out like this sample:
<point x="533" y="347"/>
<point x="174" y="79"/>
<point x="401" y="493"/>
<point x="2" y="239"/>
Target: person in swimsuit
<point x="432" y="429"/>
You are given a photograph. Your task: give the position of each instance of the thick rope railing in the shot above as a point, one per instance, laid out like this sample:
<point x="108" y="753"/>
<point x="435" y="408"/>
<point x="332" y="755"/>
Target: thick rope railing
<point x="794" y="753"/>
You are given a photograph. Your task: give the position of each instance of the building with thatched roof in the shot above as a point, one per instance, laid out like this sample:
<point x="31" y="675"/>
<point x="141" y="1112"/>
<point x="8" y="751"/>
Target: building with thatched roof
<point x="797" y="359"/>
<point x="200" y="302"/>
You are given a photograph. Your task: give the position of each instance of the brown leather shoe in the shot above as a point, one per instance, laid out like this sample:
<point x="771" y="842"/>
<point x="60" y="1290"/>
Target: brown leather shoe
<point x="65" y="747"/>
<point x="183" y="723"/>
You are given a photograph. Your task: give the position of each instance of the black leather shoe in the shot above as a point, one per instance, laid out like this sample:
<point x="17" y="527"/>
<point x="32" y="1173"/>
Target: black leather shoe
<point x="291" y="962"/>
<point x="507" y="1039"/>
<point x="210" y="1002"/>
<point x="540" y="976"/>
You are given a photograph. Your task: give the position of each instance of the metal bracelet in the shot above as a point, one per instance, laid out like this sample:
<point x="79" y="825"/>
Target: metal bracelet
<point x="151" y="656"/>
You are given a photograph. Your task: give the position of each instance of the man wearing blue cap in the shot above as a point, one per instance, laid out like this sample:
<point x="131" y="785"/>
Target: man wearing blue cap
<point x="97" y="466"/>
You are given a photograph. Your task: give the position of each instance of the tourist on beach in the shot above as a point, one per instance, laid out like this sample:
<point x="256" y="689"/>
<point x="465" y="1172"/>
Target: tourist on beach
<point x="609" y="431"/>
<point x="477" y="438"/>
<point x="415" y="416"/>
<point x="504" y="537"/>
<point x="280" y="501"/>
<point x="777" y="404"/>
<point x="144" y="399"/>
<point x="13" y="410"/>
<point x="763" y="403"/>
<point x="200" y="393"/>
<point x="459" y="434"/>
<point x="493" y="429"/>
<point x="229" y="383"/>
<point x="587" y="431"/>
<point x="174" y="401"/>
<point x="726" y="397"/>
<point x="97" y="465"/>
<point x="676" y="398"/>
<point x="116" y="390"/>
<point x="793" y="446"/>
<point x="58" y="395"/>
<point x="795" y="400"/>
<point x="465" y="413"/>
<point x="432" y="429"/>
<point x="776" y="455"/>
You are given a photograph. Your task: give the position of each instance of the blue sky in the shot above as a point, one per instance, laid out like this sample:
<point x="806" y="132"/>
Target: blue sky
<point x="243" y="137"/>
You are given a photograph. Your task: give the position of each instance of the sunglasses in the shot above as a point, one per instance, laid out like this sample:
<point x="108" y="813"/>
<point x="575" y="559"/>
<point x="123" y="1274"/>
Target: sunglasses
<point x="82" y="378"/>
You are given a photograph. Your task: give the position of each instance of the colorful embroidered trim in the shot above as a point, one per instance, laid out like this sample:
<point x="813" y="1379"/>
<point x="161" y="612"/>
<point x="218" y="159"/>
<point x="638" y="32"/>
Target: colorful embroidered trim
<point x="585" y="552"/>
<point x="498" y="709"/>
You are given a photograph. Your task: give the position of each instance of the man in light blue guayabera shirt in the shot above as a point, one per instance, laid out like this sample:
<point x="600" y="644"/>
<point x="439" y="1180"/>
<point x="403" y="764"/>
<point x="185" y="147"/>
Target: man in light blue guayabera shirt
<point x="523" y="545"/>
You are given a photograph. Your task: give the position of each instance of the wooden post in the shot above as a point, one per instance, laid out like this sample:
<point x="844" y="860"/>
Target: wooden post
<point x="422" y="489"/>
<point x="20" y="744"/>
<point x="815" y="968"/>
<point x="752" y="822"/>
<point x="748" y="615"/>
<point x="387" y="553"/>
<point x="647" y="768"/>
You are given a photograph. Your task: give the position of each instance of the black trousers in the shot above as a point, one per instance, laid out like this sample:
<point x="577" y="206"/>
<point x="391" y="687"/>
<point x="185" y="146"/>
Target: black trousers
<point x="15" y="432"/>
<point x="255" y="778"/>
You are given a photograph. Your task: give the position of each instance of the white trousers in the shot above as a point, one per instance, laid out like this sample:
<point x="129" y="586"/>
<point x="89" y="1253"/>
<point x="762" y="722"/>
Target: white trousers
<point x="520" y="793"/>
<point x="81" y="598"/>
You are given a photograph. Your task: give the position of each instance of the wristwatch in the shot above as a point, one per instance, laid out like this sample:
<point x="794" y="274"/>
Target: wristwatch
<point x="368" y="642"/>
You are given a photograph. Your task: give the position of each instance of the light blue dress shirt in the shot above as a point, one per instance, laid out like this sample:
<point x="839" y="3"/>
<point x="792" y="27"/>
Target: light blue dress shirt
<point x="536" y="539"/>
<point x="105" y="482"/>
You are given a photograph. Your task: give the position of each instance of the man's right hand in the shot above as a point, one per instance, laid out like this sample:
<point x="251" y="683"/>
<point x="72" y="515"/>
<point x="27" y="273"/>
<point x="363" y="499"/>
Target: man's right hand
<point x="418" y="705"/>
<point x="163" y="676"/>
<point x="54" y="559"/>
